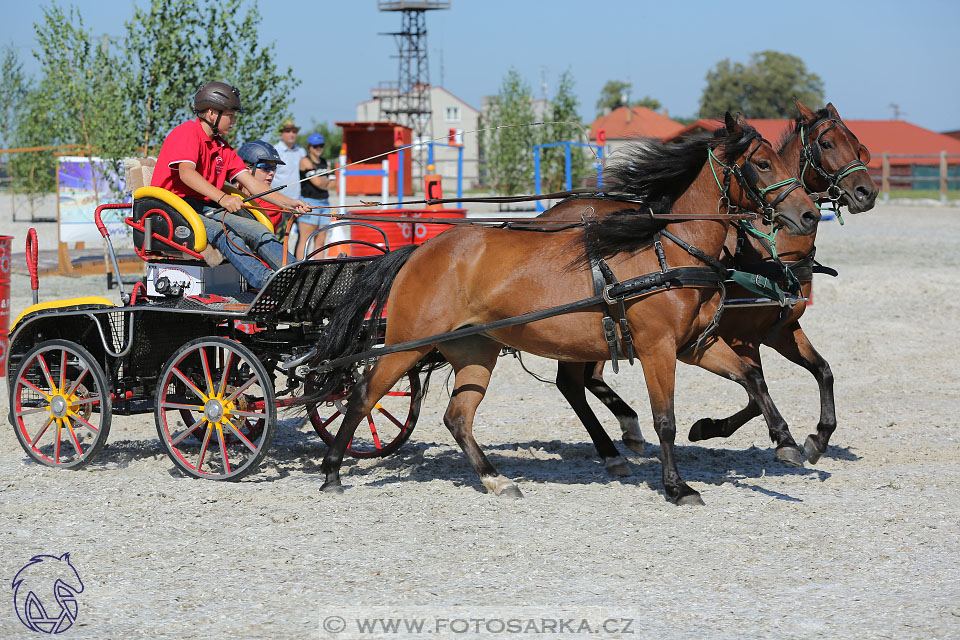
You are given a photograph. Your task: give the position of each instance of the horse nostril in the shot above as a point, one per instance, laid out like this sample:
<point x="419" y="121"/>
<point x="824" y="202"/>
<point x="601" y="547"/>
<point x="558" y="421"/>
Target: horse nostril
<point x="810" y="217"/>
<point x="861" y="193"/>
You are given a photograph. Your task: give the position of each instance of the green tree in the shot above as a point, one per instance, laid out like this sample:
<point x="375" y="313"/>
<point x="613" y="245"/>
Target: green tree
<point x="564" y="108"/>
<point x="176" y="45"/>
<point x="82" y="90"/>
<point x="615" y="94"/>
<point x="16" y="86"/>
<point x="764" y="88"/>
<point x="648" y="102"/>
<point x="508" y="151"/>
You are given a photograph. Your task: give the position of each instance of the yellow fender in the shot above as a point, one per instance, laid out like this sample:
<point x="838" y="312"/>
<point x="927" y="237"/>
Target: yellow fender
<point x="180" y="206"/>
<point x="57" y="304"/>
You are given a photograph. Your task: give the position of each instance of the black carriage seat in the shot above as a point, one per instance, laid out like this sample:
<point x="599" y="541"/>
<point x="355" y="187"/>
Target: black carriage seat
<point x="165" y="226"/>
<point x="170" y="236"/>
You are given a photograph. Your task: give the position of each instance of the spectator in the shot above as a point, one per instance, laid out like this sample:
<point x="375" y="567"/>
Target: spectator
<point x="288" y="173"/>
<point x="194" y="163"/>
<point x="315" y="192"/>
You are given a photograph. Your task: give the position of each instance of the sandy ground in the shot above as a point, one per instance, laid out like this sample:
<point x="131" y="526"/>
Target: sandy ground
<point x="864" y="544"/>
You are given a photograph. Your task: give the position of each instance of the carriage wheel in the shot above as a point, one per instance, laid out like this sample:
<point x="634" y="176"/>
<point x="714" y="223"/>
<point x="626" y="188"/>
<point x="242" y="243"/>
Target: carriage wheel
<point x="215" y="409"/>
<point x="384" y="430"/>
<point x="61" y="405"/>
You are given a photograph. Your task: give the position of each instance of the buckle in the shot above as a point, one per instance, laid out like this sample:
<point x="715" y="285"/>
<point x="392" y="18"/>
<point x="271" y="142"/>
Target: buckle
<point x="606" y="294"/>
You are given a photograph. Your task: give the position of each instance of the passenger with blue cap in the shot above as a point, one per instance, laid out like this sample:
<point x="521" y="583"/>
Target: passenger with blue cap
<point x="315" y="191"/>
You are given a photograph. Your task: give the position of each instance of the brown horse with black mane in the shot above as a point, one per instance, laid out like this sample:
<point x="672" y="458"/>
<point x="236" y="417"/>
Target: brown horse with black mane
<point x="830" y="162"/>
<point x="470" y="276"/>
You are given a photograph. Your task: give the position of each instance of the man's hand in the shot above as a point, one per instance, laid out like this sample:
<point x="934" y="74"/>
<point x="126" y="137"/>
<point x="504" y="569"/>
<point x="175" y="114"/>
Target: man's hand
<point x="300" y="206"/>
<point x="231" y="203"/>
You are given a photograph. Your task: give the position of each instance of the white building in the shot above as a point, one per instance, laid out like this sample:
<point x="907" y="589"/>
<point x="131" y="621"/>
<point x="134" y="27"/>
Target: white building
<point x="448" y="112"/>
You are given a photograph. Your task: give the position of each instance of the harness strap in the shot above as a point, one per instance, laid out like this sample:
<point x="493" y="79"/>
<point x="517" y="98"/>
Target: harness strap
<point x="625" y="336"/>
<point x="606" y="321"/>
<point x="635" y="287"/>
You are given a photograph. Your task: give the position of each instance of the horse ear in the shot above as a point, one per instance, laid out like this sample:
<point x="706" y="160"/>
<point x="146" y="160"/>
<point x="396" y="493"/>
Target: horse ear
<point x="805" y="112"/>
<point x="832" y="110"/>
<point x="732" y="123"/>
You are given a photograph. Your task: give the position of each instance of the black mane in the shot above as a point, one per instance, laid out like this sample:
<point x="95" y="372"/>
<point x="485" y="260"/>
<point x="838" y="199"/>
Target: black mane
<point x="656" y="174"/>
<point x="790" y="134"/>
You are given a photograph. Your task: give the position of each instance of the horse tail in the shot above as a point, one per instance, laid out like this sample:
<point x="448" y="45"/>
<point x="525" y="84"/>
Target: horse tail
<point x="347" y="332"/>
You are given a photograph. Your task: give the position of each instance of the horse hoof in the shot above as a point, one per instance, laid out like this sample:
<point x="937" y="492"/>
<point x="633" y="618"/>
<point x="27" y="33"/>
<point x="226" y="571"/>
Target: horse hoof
<point x="691" y="499"/>
<point x="510" y="491"/>
<point x="633" y="443"/>
<point x="332" y="488"/>
<point x="811" y="450"/>
<point x="696" y="431"/>
<point x="790" y="455"/>
<point x="617" y="466"/>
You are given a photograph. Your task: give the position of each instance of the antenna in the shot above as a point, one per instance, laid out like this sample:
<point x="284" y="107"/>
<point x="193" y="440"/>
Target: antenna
<point x="543" y="82"/>
<point x="896" y="110"/>
<point x="409" y="105"/>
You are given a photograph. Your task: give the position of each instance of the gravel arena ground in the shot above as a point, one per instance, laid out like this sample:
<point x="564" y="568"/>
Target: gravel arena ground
<point x="865" y="544"/>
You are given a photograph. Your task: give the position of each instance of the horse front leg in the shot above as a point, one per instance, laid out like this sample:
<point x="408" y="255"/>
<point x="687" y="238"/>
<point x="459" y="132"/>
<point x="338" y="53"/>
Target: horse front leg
<point x="719" y="358"/>
<point x="570" y="382"/>
<point x="659" y="371"/>
<point x="794" y="345"/>
<point x="625" y="415"/>
<point x="707" y="428"/>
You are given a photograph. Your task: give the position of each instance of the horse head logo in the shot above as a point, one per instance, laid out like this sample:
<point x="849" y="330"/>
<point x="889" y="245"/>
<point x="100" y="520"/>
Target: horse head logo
<point x="45" y="593"/>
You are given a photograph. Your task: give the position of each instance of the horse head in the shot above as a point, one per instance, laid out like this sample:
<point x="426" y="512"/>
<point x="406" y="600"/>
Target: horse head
<point x="762" y="181"/>
<point x="833" y="160"/>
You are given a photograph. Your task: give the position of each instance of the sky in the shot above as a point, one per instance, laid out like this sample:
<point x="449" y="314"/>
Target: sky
<point x="870" y="55"/>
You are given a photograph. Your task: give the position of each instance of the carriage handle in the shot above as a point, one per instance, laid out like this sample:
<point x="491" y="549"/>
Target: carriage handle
<point x="102" y="228"/>
<point x="32" y="258"/>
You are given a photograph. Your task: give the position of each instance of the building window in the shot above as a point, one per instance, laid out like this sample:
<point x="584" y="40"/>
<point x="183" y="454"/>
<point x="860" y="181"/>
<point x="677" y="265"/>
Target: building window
<point x="452" y="114"/>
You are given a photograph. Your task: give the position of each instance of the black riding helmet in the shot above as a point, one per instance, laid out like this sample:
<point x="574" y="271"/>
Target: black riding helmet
<point x="257" y="151"/>
<point x="219" y="96"/>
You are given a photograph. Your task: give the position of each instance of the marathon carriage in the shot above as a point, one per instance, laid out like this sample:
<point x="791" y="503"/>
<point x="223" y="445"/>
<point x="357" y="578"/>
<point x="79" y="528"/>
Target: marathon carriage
<point x="193" y="345"/>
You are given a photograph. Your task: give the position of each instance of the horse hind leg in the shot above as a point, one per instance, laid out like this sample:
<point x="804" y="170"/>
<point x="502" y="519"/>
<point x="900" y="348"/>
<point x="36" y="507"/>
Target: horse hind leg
<point x="570" y="382"/>
<point x="473" y="360"/>
<point x="363" y="397"/>
<point x="624" y="413"/>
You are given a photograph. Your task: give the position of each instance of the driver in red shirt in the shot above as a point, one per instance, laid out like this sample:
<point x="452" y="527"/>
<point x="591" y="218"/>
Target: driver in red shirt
<point x="195" y="161"/>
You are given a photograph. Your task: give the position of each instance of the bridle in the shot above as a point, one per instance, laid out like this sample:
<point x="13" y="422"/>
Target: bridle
<point x="747" y="177"/>
<point x="811" y="157"/>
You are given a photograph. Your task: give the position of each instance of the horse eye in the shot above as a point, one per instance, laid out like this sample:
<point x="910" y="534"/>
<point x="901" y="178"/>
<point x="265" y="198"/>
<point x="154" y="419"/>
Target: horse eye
<point x="825" y="144"/>
<point x="763" y="165"/>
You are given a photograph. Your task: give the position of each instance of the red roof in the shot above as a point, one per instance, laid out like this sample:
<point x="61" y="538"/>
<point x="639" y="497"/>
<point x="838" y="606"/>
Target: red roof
<point x="891" y="136"/>
<point x="634" y="122"/>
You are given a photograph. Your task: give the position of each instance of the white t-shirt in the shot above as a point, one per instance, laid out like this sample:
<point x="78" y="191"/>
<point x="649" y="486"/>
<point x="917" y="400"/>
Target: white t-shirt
<point x="290" y="171"/>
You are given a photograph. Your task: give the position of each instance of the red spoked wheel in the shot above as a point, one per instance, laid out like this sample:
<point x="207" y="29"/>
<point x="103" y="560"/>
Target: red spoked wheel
<point x="215" y="409"/>
<point x="61" y="405"/>
<point x="381" y="432"/>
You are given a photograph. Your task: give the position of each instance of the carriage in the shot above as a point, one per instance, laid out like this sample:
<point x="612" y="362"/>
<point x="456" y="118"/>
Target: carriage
<point x="213" y="360"/>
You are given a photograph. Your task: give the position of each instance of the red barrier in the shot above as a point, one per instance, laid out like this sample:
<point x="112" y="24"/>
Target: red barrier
<point x="5" y="256"/>
<point x="400" y="234"/>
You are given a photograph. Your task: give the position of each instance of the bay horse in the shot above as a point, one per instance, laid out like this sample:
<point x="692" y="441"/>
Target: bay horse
<point x="474" y="275"/>
<point x="829" y="161"/>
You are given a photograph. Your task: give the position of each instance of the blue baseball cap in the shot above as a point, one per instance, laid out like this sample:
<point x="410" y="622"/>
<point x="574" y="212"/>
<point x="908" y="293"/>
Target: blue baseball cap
<point x="315" y="139"/>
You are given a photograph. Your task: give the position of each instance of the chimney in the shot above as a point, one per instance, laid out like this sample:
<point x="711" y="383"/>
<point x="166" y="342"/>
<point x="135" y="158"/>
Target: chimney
<point x="629" y="114"/>
<point x="666" y="114"/>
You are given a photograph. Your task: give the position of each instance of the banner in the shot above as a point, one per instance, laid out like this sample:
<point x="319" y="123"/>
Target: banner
<point x="78" y="199"/>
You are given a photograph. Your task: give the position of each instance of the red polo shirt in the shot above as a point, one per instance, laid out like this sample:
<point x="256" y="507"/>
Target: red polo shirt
<point x="215" y="160"/>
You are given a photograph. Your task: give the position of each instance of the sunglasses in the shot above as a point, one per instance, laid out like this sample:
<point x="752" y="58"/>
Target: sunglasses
<point x="266" y="166"/>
